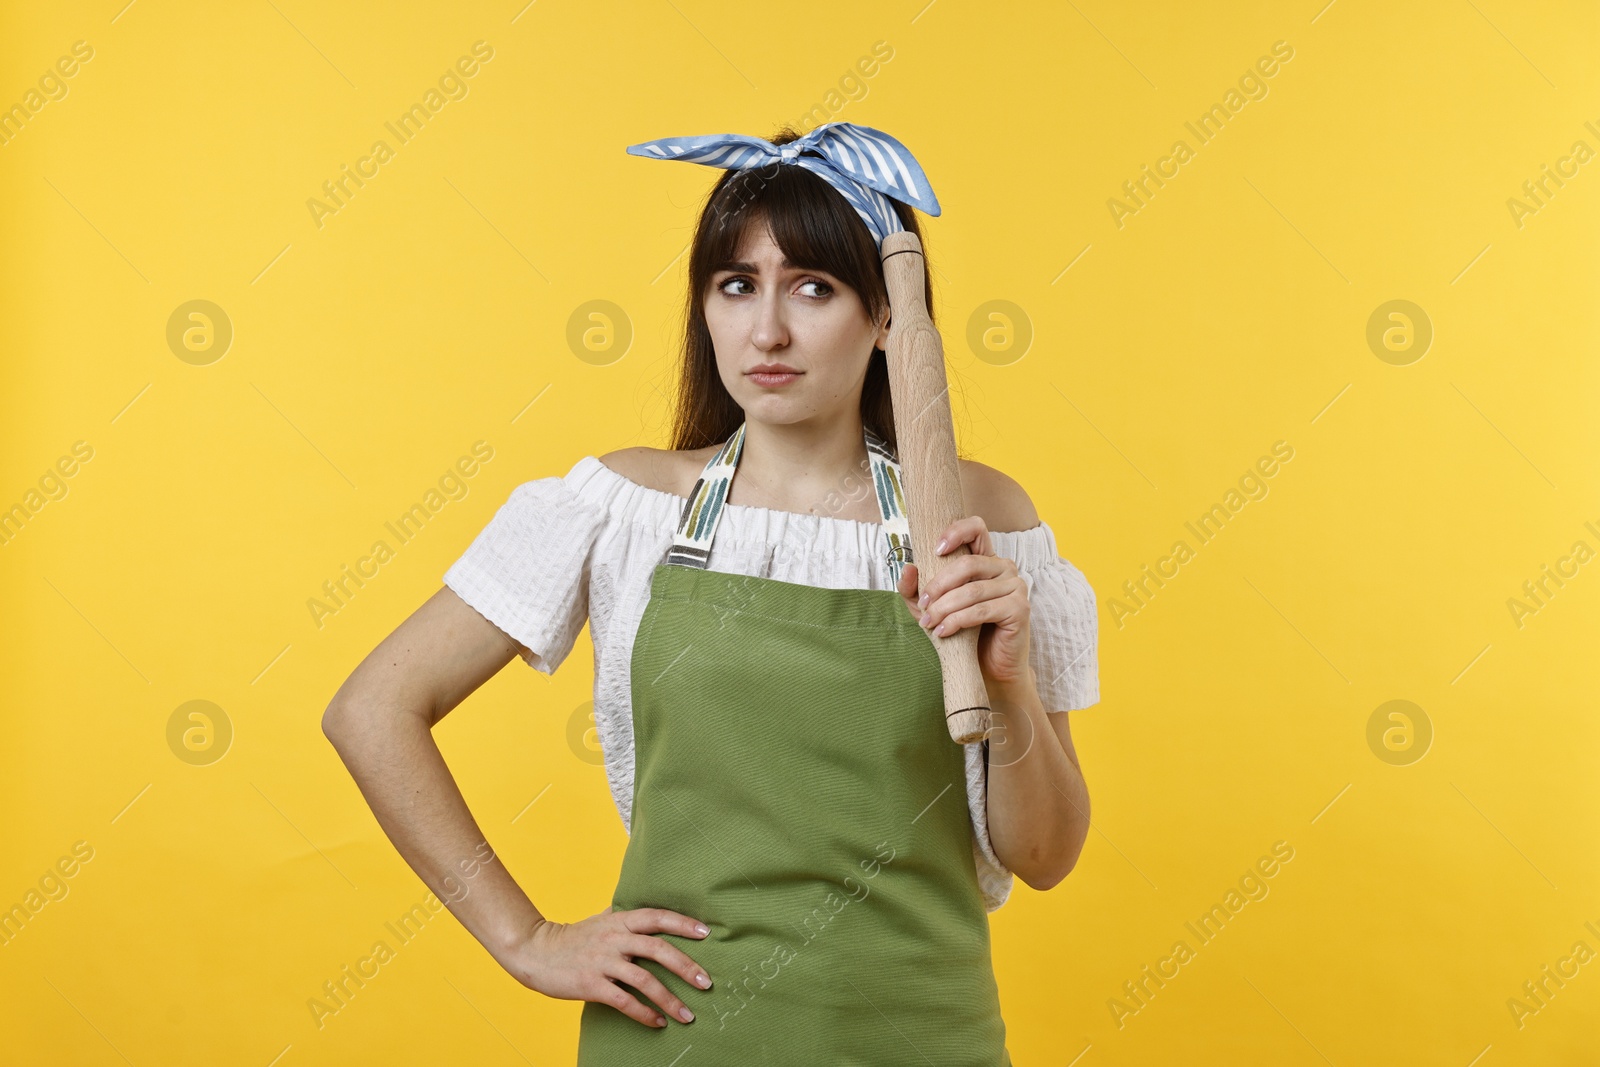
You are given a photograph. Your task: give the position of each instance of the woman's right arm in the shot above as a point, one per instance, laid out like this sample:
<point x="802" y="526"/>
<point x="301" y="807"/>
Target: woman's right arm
<point x="381" y="723"/>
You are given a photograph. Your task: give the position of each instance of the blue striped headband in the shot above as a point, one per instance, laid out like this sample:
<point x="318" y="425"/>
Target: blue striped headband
<point x="866" y="166"/>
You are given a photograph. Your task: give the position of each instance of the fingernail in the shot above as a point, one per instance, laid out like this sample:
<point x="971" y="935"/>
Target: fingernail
<point x="924" y="620"/>
<point x="702" y="981"/>
<point x="686" y="1015"/>
<point x="939" y="549"/>
<point x="922" y="602"/>
<point x="661" y="1020"/>
<point x="700" y="928"/>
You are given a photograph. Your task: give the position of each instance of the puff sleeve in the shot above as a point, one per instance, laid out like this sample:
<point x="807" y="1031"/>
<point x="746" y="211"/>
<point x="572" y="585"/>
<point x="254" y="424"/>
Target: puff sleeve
<point x="528" y="570"/>
<point x="1063" y="623"/>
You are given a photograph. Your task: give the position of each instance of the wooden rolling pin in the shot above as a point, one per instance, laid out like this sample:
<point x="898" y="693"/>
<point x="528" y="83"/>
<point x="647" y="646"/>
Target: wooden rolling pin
<point x="930" y="474"/>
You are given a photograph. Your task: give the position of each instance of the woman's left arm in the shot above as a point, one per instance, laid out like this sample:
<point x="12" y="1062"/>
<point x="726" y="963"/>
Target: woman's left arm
<point x="1038" y="801"/>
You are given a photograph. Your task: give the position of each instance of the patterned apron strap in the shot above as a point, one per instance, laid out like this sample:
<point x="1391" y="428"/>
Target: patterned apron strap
<point x="697" y="525"/>
<point x="691" y="545"/>
<point x="891" y="504"/>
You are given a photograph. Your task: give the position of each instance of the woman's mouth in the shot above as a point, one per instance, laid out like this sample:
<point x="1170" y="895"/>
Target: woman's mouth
<point x="773" y="379"/>
<point x="773" y="376"/>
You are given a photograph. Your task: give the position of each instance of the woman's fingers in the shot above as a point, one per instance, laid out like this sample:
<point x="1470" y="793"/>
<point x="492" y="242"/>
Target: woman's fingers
<point x="974" y="601"/>
<point x="961" y="571"/>
<point x="662" y="920"/>
<point x="641" y="925"/>
<point x="978" y="561"/>
<point x="908" y="587"/>
<point x="671" y="957"/>
<point x="969" y="530"/>
<point x="652" y="987"/>
<point x="586" y="960"/>
<point x="605" y="991"/>
<point x="972" y="615"/>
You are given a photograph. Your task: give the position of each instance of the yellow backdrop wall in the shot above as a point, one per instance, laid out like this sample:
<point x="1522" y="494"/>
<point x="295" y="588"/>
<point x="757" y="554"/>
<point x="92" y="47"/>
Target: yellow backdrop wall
<point x="1357" y="241"/>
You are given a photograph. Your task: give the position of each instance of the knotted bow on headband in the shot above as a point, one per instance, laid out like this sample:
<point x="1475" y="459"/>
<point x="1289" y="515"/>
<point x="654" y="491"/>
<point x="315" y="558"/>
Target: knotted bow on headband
<point x="865" y="165"/>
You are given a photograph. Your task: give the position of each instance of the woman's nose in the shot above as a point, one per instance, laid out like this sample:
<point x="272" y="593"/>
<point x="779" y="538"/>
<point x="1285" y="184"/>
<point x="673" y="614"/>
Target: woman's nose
<point x="771" y="327"/>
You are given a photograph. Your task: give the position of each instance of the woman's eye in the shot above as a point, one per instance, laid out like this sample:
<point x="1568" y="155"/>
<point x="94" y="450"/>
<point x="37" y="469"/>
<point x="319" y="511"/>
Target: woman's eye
<point x="825" y="288"/>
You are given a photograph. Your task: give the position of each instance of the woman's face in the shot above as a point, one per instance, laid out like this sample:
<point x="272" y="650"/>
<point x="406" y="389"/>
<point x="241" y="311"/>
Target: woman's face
<point x="761" y="311"/>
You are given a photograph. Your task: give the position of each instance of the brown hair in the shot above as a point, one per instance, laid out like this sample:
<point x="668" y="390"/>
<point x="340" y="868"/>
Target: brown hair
<point x="817" y="229"/>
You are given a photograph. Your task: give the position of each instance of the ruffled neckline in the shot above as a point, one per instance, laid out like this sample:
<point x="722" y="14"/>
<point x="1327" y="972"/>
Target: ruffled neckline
<point x="620" y="496"/>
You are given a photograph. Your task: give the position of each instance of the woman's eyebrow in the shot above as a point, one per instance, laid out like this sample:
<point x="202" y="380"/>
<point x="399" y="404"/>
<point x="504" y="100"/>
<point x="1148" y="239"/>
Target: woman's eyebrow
<point x="750" y="268"/>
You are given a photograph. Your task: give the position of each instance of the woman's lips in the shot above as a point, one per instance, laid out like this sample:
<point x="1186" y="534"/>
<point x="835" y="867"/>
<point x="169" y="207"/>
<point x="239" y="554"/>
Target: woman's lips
<point x="772" y="380"/>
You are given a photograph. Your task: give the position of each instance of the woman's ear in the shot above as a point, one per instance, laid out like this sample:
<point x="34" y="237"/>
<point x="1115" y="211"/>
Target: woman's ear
<point x="883" y="332"/>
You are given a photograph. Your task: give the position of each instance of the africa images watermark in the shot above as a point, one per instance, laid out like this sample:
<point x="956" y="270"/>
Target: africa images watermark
<point x="1252" y="85"/>
<point x="1538" y="592"/>
<point x="338" y="992"/>
<point x="337" y="592"/>
<point x="52" y="886"/>
<point x="1538" y="992"/>
<point x="851" y="87"/>
<point x="1537" y="192"/>
<point x="1252" y="485"/>
<point x="51" y="486"/>
<point x="452" y="85"/>
<point x="51" y="88"/>
<point x="737" y="994"/>
<point x="1252" y="887"/>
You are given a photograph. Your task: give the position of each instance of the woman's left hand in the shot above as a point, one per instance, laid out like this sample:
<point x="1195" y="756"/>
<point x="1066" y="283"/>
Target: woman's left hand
<point x="976" y="589"/>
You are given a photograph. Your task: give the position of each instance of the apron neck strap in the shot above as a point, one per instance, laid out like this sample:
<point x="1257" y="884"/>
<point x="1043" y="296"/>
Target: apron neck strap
<point x="691" y="545"/>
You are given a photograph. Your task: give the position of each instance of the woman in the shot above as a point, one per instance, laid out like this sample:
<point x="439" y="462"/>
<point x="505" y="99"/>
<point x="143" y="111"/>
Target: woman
<point x="800" y="873"/>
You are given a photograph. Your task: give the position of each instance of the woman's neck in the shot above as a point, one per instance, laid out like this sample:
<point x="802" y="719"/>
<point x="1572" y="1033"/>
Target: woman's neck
<point x="814" y="467"/>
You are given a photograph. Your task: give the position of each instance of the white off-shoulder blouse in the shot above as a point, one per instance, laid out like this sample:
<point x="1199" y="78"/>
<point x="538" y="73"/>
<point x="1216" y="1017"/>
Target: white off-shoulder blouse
<point x="562" y="549"/>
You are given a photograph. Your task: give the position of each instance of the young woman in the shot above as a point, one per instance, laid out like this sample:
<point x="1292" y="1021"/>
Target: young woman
<point x="802" y="873"/>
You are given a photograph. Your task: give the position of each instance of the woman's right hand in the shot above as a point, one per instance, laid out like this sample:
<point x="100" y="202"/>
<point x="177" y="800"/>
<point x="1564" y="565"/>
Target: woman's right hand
<point x="578" y="961"/>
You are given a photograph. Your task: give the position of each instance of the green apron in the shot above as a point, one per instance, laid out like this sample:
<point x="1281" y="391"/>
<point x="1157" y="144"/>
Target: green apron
<point x="796" y="789"/>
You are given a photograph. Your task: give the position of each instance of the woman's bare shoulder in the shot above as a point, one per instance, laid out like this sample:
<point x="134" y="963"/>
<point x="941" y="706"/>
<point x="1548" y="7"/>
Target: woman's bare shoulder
<point x="663" y="469"/>
<point x="995" y="495"/>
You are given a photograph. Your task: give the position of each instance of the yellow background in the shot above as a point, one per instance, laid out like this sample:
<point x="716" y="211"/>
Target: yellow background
<point x="431" y="311"/>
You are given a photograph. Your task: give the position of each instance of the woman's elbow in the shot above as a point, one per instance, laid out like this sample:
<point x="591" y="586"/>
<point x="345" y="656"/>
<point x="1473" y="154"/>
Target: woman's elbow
<point x="355" y="723"/>
<point x="1046" y="872"/>
<point x="1047" y="876"/>
<point x="336" y="723"/>
<point x="345" y="722"/>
